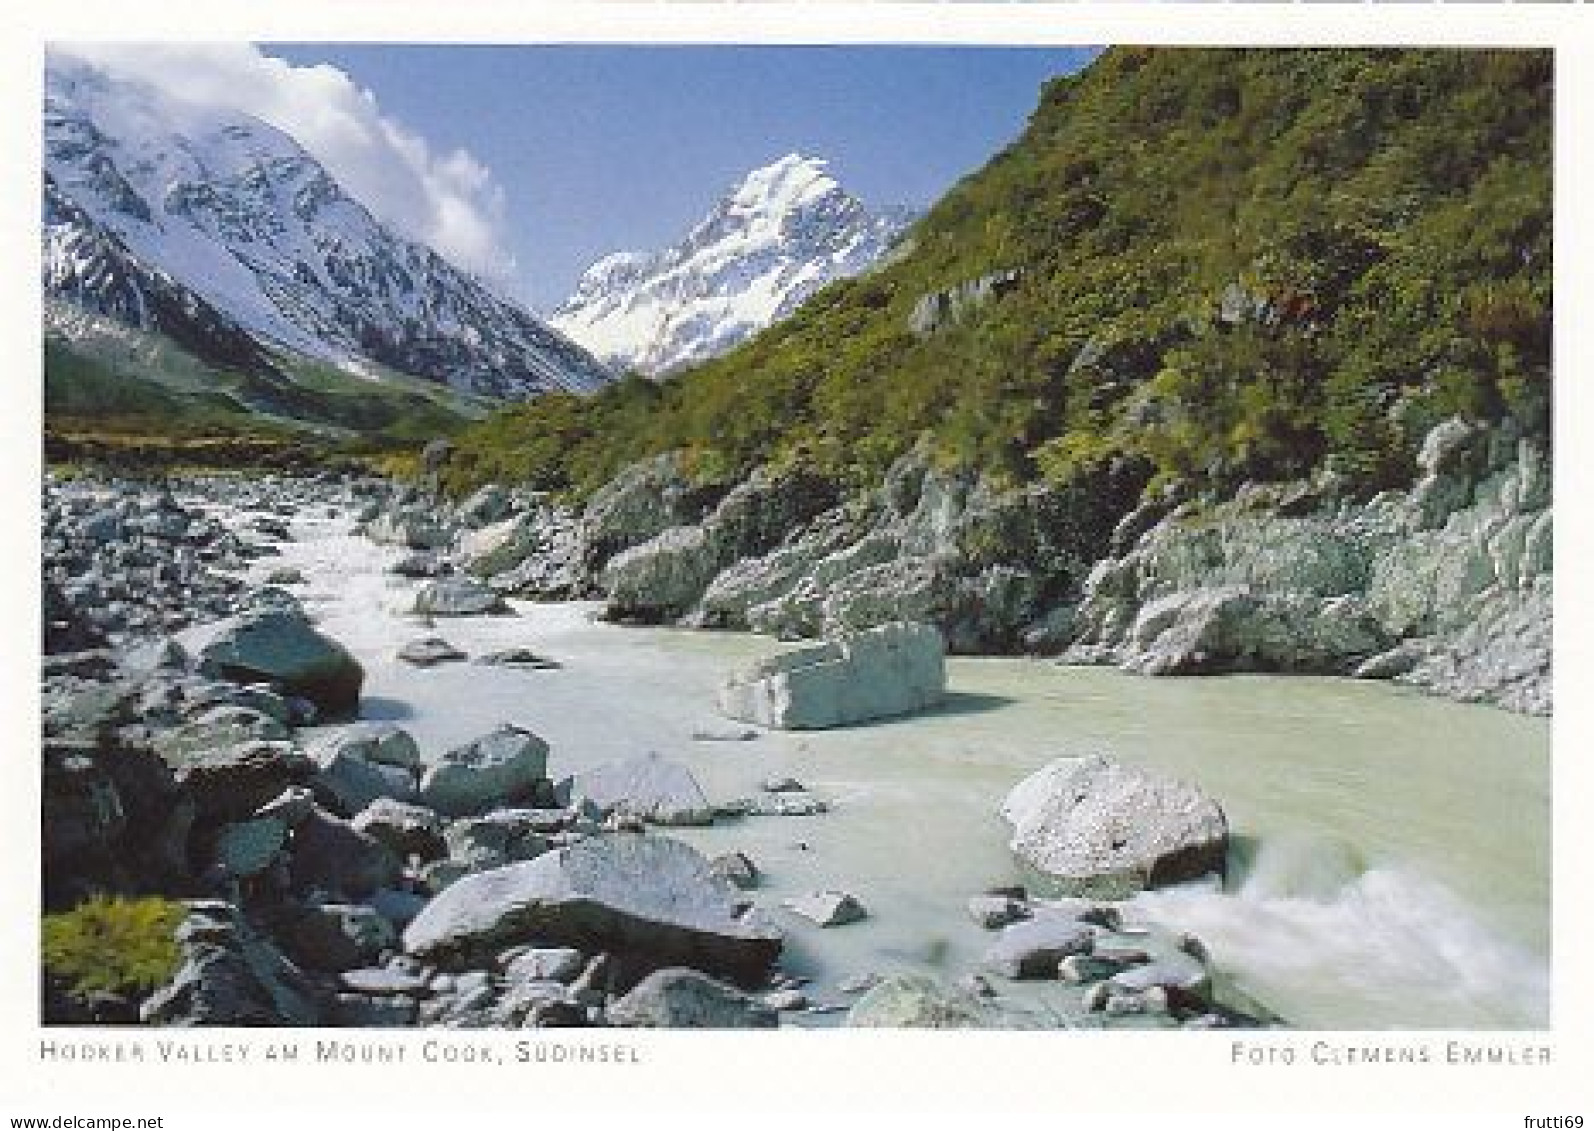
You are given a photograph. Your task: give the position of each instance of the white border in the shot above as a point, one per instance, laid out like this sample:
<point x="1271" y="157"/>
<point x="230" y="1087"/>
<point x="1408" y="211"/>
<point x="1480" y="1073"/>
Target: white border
<point x="754" y="1079"/>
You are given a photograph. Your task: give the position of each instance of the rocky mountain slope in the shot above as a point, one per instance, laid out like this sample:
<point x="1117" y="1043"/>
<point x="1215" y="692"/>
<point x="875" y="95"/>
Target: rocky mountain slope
<point x="773" y="240"/>
<point x="1268" y="389"/>
<point x="1298" y="260"/>
<point x="222" y="233"/>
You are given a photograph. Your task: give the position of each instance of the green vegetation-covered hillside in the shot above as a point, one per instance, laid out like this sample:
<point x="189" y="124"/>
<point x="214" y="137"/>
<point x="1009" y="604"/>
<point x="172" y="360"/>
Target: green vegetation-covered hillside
<point x="111" y="392"/>
<point x="1231" y="265"/>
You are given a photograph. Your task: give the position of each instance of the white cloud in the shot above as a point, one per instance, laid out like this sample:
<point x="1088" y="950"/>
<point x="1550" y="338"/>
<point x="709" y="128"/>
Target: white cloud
<point x="449" y="201"/>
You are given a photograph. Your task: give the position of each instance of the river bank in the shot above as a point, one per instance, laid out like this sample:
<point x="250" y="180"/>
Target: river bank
<point x="1370" y="885"/>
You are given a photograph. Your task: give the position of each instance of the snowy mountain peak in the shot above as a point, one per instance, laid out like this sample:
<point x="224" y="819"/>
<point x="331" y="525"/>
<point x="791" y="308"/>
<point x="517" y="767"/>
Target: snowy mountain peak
<point x="775" y="237"/>
<point x="783" y="186"/>
<point x="157" y="206"/>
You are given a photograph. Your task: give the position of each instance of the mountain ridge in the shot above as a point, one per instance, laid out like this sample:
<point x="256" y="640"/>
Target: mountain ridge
<point x="208" y="225"/>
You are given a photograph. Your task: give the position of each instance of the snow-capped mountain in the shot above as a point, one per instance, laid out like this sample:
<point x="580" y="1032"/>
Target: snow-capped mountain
<point x="222" y="232"/>
<point x="785" y="231"/>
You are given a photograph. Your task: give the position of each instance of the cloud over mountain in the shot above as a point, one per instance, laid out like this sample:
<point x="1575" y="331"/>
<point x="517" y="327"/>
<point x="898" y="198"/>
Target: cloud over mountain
<point x="448" y="200"/>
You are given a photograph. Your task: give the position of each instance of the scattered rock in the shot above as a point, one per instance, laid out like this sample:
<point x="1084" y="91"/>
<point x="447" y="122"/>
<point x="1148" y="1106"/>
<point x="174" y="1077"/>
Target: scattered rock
<point x="429" y="651"/>
<point x="545" y="964"/>
<point x="335" y="936"/>
<point x="785" y="1000"/>
<point x="1033" y="948"/>
<point x="332" y="856"/>
<point x="249" y="848"/>
<point x="522" y="658"/>
<point x="231" y="976"/>
<point x="232" y="782"/>
<point x="380" y="981"/>
<point x="714" y="733"/>
<point x="498" y="769"/>
<point x="407" y="829"/>
<point x="686" y="999"/>
<point x="458" y="597"/>
<point x="737" y="868"/>
<point x="349" y="783"/>
<point x="917" y="1001"/>
<point x="995" y="911"/>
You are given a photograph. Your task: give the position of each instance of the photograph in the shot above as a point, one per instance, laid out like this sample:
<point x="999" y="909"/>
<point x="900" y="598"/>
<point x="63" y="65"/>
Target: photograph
<point x="613" y="535"/>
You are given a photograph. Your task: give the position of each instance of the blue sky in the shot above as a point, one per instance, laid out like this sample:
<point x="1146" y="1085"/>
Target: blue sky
<point x="597" y="149"/>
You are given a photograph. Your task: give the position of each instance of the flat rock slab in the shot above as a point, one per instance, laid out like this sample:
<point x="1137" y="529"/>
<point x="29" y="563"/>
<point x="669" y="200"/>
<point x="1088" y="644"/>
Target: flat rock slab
<point x="892" y="670"/>
<point x="650" y="788"/>
<point x="1101" y="828"/>
<point x="429" y="651"/>
<point x="652" y="899"/>
<point x="523" y="658"/>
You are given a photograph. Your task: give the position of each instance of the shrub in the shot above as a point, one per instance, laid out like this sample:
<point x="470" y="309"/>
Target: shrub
<point x="112" y="944"/>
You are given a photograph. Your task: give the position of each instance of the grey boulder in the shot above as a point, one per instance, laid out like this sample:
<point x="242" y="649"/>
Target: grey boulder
<point x="333" y="856"/>
<point x="685" y="999"/>
<point x="283" y="649"/>
<point x="648" y="898"/>
<point x="458" y="597"/>
<point x="498" y="769"/>
<point x="407" y="829"/>
<point x="1098" y="827"/>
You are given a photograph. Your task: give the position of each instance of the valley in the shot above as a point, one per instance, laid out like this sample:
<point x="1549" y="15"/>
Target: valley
<point x="1118" y="597"/>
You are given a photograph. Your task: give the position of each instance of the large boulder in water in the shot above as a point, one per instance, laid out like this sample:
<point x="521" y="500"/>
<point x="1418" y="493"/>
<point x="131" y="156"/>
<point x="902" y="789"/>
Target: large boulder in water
<point x="648" y="901"/>
<point x="282" y="648"/>
<point x="892" y="670"/>
<point x="1098" y="827"/>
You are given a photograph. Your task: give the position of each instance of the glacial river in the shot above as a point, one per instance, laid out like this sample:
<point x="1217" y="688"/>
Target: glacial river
<point x="1392" y="854"/>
